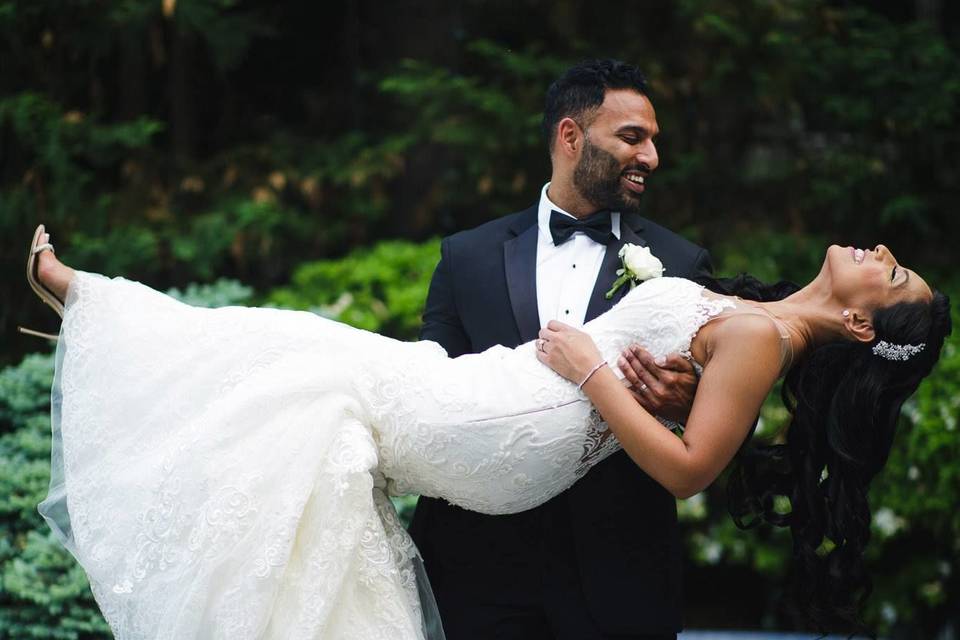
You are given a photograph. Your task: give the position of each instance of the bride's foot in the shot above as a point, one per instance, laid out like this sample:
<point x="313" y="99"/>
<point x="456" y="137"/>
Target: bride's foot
<point x="47" y="276"/>
<point x="50" y="272"/>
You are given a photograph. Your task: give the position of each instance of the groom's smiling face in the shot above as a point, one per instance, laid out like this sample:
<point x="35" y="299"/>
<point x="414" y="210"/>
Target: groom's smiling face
<point x="618" y="153"/>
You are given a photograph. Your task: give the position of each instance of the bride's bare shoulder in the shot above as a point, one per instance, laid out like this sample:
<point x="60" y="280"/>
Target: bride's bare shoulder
<point x="748" y="340"/>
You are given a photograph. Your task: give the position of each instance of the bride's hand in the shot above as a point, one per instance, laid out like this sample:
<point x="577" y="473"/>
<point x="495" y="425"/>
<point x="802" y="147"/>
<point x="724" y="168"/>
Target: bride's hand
<point x="568" y="351"/>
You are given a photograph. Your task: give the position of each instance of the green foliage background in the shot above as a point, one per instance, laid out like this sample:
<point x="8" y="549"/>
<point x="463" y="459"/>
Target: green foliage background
<point x="313" y="155"/>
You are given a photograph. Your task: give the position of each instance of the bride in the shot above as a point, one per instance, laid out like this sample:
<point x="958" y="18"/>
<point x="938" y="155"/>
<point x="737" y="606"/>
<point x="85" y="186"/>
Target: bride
<point x="224" y="473"/>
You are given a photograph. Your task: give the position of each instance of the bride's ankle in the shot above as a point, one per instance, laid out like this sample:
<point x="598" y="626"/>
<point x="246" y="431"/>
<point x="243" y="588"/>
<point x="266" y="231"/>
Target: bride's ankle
<point x="54" y="275"/>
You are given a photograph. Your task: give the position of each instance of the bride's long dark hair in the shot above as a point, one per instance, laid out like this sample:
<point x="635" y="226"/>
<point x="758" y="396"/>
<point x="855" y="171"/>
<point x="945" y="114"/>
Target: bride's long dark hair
<point x="844" y="403"/>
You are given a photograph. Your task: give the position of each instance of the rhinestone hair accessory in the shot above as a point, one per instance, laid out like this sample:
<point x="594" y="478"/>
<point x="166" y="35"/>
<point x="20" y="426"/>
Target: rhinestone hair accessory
<point x="890" y="351"/>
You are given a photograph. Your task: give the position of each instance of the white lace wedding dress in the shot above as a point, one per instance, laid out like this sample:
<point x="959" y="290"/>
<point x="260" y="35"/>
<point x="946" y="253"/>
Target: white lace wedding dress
<point x="224" y="473"/>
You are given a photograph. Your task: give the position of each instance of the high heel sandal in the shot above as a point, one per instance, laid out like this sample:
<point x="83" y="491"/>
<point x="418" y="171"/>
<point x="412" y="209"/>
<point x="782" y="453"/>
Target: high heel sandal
<point x="38" y="287"/>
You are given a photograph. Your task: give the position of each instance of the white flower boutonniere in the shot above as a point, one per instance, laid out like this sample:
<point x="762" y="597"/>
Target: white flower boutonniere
<point x="638" y="265"/>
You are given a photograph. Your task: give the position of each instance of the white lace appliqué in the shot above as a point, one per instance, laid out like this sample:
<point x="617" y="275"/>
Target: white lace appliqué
<point x="224" y="473"/>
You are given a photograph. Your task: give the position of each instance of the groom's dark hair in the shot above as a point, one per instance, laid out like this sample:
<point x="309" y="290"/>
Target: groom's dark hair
<point x="580" y="90"/>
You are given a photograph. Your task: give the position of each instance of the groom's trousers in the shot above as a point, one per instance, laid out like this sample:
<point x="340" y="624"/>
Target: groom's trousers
<point x="539" y="598"/>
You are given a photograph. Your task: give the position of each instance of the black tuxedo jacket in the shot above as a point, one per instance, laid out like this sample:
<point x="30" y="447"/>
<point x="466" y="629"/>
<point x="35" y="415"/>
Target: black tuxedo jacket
<point x="616" y="522"/>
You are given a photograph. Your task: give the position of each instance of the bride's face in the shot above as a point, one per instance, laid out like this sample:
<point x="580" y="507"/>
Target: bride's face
<point x="872" y="279"/>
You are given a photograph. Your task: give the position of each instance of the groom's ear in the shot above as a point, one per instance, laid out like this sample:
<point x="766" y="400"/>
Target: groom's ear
<point x="569" y="137"/>
<point x="859" y="325"/>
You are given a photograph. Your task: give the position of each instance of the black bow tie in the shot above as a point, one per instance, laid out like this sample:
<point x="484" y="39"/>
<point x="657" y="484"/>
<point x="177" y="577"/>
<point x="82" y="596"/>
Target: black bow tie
<point x="596" y="226"/>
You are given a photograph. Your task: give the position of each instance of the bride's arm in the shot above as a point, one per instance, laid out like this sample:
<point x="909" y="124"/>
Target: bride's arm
<point x="744" y="364"/>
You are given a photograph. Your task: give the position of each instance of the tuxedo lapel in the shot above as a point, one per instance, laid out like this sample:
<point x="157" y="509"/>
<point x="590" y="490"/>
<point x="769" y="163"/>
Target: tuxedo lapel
<point x="520" y="264"/>
<point x="630" y="225"/>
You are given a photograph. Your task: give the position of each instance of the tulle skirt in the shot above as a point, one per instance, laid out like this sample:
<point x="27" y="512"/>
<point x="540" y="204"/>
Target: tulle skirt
<point x="214" y="474"/>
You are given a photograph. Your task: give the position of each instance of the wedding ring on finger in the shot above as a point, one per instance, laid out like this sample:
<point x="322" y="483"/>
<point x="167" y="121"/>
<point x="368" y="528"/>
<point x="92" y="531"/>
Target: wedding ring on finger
<point x="643" y="387"/>
<point x="540" y="343"/>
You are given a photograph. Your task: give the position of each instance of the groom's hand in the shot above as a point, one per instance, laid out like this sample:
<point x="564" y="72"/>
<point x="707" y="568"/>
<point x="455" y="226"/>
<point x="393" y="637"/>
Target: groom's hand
<point x="665" y="388"/>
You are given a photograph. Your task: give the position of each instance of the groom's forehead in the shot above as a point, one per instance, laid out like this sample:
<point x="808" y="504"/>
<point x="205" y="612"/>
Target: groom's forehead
<point x="625" y="108"/>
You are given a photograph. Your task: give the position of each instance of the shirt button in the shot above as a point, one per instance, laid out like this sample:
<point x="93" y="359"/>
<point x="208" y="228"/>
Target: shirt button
<point x="567" y="311"/>
<point x="574" y="265"/>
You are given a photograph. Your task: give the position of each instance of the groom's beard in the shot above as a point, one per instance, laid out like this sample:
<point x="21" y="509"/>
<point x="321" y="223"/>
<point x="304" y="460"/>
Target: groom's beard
<point x="597" y="178"/>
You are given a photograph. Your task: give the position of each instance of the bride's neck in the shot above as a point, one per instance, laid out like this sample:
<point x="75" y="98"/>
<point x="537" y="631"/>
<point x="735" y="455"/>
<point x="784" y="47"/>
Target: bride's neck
<point x="812" y="314"/>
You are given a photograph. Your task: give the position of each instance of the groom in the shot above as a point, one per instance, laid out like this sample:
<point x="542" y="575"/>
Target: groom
<point x="603" y="559"/>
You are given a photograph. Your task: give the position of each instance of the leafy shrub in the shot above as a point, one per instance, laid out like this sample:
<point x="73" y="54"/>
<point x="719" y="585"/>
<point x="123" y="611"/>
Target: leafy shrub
<point x="221" y="293"/>
<point x="380" y="289"/>
<point x="43" y="592"/>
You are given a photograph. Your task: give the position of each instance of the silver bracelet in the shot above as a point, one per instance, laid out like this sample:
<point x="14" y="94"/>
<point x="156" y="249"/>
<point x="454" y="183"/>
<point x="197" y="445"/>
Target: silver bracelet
<point x="592" y="371"/>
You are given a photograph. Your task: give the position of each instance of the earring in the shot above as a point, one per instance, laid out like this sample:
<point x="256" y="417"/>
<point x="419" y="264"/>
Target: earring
<point x="846" y="313"/>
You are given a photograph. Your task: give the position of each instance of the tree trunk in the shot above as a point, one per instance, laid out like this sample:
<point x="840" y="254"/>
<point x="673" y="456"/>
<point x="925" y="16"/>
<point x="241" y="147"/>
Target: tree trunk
<point x="132" y="76"/>
<point x="931" y="12"/>
<point x="182" y="99"/>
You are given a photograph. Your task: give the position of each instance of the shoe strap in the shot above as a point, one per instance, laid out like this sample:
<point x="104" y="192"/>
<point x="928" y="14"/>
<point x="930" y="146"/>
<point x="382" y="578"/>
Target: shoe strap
<point x="39" y="334"/>
<point x="42" y="247"/>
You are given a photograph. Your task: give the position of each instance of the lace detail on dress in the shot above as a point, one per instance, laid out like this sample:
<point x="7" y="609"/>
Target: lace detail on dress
<point x="600" y="443"/>
<point x="224" y="473"/>
<point x="499" y="432"/>
<point x="211" y="474"/>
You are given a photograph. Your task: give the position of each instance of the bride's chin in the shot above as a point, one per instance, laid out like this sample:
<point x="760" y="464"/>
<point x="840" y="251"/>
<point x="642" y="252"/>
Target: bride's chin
<point x="832" y="252"/>
<point x="824" y="278"/>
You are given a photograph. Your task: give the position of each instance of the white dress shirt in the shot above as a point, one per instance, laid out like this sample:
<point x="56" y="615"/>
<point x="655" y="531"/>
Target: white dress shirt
<point x="566" y="274"/>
